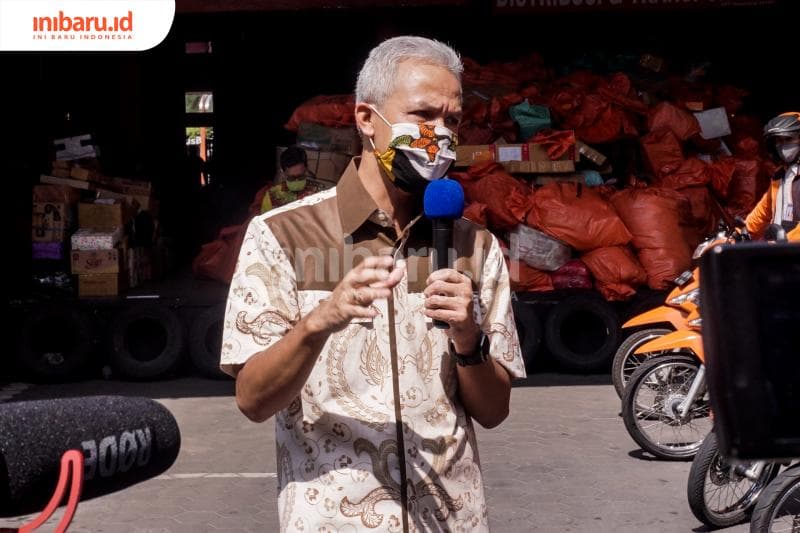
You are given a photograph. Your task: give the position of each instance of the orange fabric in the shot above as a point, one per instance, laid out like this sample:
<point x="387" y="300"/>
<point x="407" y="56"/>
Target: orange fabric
<point x="616" y="271"/>
<point x="578" y="216"/>
<point x="761" y="215"/>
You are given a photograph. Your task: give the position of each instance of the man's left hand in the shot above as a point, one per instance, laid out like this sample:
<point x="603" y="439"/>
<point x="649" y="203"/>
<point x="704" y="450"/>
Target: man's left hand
<point x="448" y="297"/>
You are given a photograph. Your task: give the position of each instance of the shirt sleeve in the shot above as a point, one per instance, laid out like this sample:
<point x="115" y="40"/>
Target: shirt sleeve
<point x="497" y="316"/>
<point x="262" y="300"/>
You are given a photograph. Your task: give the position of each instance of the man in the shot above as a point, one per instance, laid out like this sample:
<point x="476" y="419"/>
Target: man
<point x="329" y="324"/>
<point x="781" y="203"/>
<point x="297" y="183"/>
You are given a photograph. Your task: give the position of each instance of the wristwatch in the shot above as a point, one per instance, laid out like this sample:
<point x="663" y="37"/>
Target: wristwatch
<point x="479" y="355"/>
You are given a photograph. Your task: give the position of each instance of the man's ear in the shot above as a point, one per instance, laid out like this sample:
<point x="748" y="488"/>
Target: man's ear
<point x="364" y="118"/>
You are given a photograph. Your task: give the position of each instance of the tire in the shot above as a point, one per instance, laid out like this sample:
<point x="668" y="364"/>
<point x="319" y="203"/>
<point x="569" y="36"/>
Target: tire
<point x="146" y="341"/>
<point x="626" y="362"/>
<point x="205" y="341"/>
<point x="55" y="343"/>
<point x="779" y="504"/>
<point x="582" y="332"/>
<point x="529" y="330"/>
<point x="712" y="475"/>
<point x="666" y="378"/>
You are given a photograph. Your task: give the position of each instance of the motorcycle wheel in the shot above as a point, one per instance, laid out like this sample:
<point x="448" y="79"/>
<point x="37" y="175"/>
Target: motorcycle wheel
<point x="778" y="508"/>
<point x="626" y="361"/>
<point x="718" y="492"/>
<point x="650" y="402"/>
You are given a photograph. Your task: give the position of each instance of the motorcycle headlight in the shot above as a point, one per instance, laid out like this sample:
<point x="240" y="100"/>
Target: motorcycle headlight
<point x="692" y="296"/>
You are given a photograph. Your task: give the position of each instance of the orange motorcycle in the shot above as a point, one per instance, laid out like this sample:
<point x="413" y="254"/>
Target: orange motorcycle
<point x="666" y="407"/>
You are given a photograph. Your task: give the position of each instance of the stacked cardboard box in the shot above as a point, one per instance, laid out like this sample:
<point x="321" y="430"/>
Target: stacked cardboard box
<point x="99" y="252"/>
<point x="51" y="220"/>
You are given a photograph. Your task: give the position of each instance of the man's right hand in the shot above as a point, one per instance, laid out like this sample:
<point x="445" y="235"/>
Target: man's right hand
<point x="352" y="298"/>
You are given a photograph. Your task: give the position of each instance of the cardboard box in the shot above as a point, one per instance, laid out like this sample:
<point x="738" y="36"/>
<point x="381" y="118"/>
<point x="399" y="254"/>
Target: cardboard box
<point x="62" y="164"/>
<point x="56" y="194"/>
<point x="651" y="62"/>
<point x="90" y="285"/>
<point x="105" y="213"/>
<point x="324" y="139"/>
<point x="48" y="250"/>
<point x="83" y="174"/>
<point x="128" y="186"/>
<point x="76" y="184"/>
<point x="591" y="154"/>
<point x="50" y="222"/>
<point x="64" y="173"/>
<point x="90" y="239"/>
<point x="521" y="158"/>
<point x="714" y="123"/>
<point x="97" y="261"/>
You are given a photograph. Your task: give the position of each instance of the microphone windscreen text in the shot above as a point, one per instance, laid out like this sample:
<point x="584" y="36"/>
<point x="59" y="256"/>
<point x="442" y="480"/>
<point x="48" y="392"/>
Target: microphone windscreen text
<point x="123" y="440"/>
<point x="443" y="203"/>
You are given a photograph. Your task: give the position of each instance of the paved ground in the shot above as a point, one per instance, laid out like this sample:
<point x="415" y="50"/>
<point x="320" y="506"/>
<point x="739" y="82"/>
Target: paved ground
<point x="561" y="462"/>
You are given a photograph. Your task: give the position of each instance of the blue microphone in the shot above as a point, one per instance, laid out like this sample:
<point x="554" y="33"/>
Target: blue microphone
<point x="443" y="203"/>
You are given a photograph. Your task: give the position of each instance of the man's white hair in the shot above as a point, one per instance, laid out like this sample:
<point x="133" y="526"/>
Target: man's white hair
<point x="379" y="73"/>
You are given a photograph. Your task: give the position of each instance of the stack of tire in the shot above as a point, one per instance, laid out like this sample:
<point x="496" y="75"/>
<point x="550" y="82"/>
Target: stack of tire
<point x="580" y="331"/>
<point x="60" y="342"/>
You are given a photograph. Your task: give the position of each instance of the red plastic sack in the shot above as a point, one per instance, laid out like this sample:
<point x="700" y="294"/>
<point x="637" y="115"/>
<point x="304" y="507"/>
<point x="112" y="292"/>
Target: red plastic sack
<point x="663" y="152"/>
<point x="703" y="216"/>
<point x="476" y="212"/>
<point x="691" y="173"/>
<point x="557" y="143"/>
<point x="667" y="116"/>
<point x="720" y="174"/>
<point x="492" y="186"/>
<point x="731" y="98"/>
<point x="578" y="216"/>
<point x="743" y="190"/>
<point x="573" y="275"/>
<point x="596" y="121"/>
<point x="616" y="271"/>
<point x="524" y="278"/>
<point x="653" y="216"/>
<point x="332" y="111"/>
<point x="217" y="259"/>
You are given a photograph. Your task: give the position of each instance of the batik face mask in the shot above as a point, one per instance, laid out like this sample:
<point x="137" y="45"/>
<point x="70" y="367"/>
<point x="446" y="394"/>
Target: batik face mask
<point x="417" y="154"/>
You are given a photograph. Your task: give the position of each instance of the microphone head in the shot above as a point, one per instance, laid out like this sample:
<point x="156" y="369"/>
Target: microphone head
<point x="444" y="198"/>
<point x="123" y="440"/>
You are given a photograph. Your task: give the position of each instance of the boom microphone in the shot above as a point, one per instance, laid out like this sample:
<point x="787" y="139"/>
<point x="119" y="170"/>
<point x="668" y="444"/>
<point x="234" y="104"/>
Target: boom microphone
<point x="123" y="441"/>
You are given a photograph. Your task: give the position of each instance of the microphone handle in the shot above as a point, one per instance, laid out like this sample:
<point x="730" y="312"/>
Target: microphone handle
<point x="442" y="244"/>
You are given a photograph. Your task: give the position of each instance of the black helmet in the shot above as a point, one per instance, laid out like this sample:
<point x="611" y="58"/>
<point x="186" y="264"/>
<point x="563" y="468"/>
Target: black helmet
<point x="783" y="124"/>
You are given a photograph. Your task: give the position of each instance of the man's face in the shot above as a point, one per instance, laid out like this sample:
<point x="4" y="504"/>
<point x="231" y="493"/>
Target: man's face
<point x="422" y="93"/>
<point x="295" y="172"/>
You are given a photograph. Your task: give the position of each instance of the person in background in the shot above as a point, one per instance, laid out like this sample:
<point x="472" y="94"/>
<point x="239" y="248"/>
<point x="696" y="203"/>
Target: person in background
<point x="781" y="203"/>
<point x="294" y="182"/>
